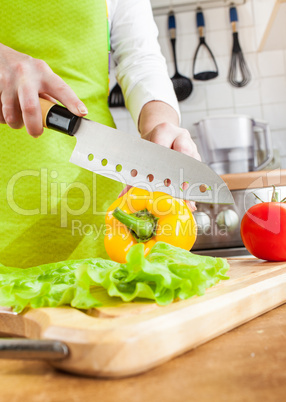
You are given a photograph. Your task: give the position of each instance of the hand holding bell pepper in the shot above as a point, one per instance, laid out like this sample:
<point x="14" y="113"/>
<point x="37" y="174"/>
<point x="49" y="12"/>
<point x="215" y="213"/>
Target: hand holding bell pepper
<point x="141" y="216"/>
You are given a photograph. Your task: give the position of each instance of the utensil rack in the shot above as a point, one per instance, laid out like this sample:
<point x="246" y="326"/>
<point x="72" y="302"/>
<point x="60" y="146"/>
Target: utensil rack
<point x="179" y="6"/>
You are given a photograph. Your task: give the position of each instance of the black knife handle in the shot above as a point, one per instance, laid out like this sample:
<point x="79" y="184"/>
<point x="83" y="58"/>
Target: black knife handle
<point x="58" y="118"/>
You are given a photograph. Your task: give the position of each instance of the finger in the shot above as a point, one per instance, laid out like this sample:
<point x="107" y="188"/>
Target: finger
<point x="58" y="89"/>
<point x="125" y="190"/>
<point x="48" y="97"/>
<point x="11" y="110"/>
<point x="31" y="110"/>
<point x="164" y="134"/>
<point x="2" y="120"/>
<point x="186" y="145"/>
<point x="191" y="205"/>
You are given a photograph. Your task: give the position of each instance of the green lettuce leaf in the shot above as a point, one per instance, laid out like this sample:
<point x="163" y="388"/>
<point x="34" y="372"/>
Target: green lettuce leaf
<point x="166" y="274"/>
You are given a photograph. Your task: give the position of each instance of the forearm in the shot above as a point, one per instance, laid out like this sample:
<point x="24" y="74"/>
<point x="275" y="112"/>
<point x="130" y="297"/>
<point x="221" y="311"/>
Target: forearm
<point x="141" y="69"/>
<point x="154" y="113"/>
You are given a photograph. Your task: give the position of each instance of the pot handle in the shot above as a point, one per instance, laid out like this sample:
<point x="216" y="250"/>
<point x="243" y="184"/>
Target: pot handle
<point x="268" y="143"/>
<point x="32" y="349"/>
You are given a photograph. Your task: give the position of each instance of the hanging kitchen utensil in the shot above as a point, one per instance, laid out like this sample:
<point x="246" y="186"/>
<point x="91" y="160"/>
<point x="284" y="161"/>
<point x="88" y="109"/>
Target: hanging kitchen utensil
<point x="116" y="98"/>
<point x="203" y="75"/>
<point x="182" y="85"/>
<point x="239" y="74"/>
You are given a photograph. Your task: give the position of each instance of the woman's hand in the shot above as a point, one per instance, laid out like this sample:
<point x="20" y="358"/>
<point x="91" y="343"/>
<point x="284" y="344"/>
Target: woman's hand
<point x="23" y="80"/>
<point x="159" y="123"/>
<point x="174" y="137"/>
<point x="177" y="138"/>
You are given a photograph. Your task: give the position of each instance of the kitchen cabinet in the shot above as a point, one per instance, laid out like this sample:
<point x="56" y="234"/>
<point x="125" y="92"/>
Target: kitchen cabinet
<point x="270" y="17"/>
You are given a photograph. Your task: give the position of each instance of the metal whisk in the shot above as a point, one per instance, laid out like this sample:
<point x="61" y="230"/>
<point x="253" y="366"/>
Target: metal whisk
<point x="239" y="74"/>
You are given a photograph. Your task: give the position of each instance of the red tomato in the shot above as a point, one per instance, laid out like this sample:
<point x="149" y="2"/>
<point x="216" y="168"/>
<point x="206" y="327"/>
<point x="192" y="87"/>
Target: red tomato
<point x="263" y="231"/>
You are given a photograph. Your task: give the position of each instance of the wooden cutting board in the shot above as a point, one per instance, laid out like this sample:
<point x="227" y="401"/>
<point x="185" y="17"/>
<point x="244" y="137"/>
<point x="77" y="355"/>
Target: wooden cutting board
<point x="126" y="339"/>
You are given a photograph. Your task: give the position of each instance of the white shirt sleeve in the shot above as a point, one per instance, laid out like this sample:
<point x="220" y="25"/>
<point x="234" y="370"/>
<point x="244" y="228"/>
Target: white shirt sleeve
<point x="141" y="68"/>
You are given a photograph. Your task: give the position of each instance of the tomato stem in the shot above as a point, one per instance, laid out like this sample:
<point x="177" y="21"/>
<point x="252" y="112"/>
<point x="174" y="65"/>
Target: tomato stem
<point x="257" y="197"/>
<point x="274" y="197"/>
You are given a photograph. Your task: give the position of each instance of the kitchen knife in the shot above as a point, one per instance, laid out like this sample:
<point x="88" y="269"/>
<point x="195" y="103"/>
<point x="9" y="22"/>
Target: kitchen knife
<point x="131" y="160"/>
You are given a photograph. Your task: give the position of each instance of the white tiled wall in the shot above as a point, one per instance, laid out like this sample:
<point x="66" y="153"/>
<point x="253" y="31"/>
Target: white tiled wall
<point x="263" y="98"/>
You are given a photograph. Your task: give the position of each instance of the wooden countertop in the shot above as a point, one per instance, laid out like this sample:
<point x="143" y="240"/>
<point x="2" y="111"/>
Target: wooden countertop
<point x="259" y="179"/>
<point x="246" y="364"/>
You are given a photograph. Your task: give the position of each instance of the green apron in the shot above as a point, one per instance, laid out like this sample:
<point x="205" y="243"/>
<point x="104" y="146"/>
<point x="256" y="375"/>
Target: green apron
<point x="50" y="209"/>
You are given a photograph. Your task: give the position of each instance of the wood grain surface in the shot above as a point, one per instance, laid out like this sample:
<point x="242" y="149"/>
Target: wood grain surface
<point x="259" y="179"/>
<point x="121" y="340"/>
<point x="246" y="364"/>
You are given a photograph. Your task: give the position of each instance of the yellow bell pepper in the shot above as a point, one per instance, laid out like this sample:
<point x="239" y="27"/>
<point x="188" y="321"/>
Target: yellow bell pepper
<point x="147" y="217"/>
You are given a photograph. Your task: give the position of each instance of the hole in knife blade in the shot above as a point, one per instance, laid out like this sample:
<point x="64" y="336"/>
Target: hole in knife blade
<point x="184" y="186"/>
<point x="167" y="182"/>
<point x="150" y="177"/>
<point x="204" y="188"/>
<point x="104" y="162"/>
<point x="118" y="168"/>
<point x="90" y="157"/>
<point x="133" y="172"/>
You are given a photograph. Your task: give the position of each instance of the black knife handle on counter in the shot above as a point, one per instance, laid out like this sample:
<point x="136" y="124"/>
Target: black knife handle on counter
<point x="59" y="118"/>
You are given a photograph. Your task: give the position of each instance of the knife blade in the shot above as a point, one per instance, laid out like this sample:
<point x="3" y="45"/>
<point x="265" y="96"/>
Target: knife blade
<point x="132" y="160"/>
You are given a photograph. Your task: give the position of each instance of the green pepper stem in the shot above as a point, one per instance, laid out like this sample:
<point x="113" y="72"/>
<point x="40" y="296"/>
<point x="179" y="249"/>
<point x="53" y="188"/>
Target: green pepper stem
<point x="142" y="227"/>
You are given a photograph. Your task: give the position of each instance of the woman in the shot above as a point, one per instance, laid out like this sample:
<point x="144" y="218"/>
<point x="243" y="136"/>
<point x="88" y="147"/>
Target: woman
<point x="50" y="209"/>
